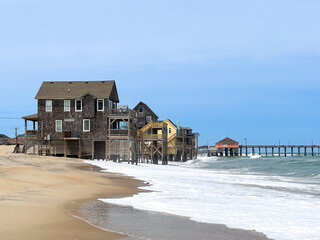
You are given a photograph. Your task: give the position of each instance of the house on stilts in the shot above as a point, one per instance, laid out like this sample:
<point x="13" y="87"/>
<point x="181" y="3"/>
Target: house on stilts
<point x="84" y="119"/>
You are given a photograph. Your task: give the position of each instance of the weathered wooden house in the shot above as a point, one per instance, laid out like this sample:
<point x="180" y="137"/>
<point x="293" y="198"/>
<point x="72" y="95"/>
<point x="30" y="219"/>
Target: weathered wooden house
<point x="81" y="118"/>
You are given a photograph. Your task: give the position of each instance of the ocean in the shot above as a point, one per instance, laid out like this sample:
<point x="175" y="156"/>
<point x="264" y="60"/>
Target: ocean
<point x="278" y="196"/>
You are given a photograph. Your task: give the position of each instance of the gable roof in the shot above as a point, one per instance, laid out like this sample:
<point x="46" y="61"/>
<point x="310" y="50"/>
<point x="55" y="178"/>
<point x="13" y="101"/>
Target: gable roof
<point x="227" y="140"/>
<point x="77" y="89"/>
<point x="171" y="122"/>
<point x="142" y="104"/>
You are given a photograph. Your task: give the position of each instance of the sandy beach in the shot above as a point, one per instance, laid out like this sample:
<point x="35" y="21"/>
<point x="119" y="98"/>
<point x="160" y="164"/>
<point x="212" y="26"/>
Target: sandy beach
<point x="37" y="193"/>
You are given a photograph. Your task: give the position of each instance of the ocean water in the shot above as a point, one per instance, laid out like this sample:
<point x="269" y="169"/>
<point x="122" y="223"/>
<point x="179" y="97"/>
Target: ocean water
<point x="279" y="196"/>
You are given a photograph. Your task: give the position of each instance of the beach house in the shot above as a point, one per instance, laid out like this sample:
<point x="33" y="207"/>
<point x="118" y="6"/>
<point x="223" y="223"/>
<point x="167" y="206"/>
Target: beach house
<point x="145" y="114"/>
<point x="84" y="119"/>
<point x="81" y="118"/>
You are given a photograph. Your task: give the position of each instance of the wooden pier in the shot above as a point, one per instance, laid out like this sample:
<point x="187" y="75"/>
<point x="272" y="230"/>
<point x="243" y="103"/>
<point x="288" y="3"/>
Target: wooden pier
<point x="266" y="150"/>
<point x="278" y="150"/>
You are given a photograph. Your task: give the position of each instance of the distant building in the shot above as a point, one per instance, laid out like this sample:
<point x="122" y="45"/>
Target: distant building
<point x="228" y="146"/>
<point x="4" y="139"/>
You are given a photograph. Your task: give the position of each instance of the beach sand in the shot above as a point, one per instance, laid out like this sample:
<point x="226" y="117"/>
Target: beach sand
<point x="35" y="191"/>
<point x="56" y="198"/>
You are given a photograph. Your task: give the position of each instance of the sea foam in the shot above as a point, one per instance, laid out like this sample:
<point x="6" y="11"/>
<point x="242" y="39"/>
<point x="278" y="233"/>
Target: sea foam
<point x="277" y="206"/>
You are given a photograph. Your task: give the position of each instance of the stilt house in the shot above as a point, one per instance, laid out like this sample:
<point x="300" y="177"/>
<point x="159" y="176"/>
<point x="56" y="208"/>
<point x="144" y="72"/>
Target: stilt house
<point x="81" y="119"/>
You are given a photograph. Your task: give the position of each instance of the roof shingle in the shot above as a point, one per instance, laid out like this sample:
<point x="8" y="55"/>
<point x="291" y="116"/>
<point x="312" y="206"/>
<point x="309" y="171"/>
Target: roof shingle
<point x="77" y="89"/>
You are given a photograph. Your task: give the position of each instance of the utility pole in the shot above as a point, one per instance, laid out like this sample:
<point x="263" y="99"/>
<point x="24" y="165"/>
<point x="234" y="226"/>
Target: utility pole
<point x="16" y="134"/>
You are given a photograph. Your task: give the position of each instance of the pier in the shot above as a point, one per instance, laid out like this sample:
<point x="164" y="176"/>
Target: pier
<point x="265" y="150"/>
<point x="277" y="150"/>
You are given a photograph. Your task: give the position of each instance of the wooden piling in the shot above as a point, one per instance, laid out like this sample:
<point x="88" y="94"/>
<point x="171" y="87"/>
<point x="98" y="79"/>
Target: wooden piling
<point x="285" y="151"/>
<point x="266" y="151"/>
<point x="305" y="151"/>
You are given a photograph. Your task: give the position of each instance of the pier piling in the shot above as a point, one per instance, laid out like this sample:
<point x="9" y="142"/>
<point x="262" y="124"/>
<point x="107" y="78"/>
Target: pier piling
<point x="305" y="151"/>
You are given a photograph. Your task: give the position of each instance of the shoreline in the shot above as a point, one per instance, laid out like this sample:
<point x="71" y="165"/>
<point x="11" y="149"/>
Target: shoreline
<point x="147" y="218"/>
<point x="44" y="198"/>
<point x="158" y="225"/>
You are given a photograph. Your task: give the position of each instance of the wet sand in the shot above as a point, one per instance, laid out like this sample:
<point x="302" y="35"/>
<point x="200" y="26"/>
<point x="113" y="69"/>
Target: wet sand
<point x="34" y="193"/>
<point x="140" y="224"/>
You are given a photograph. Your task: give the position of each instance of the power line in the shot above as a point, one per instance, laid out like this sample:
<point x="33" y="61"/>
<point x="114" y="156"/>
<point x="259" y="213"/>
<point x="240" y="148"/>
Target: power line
<point x="11" y="126"/>
<point x="10" y="118"/>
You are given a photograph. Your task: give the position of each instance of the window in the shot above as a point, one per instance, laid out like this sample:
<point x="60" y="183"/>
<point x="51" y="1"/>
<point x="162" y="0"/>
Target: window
<point x="140" y="109"/>
<point x="78" y="105"/>
<point x="148" y="119"/>
<point x="110" y="104"/>
<point x="58" y="125"/>
<point x="86" y="125"/>
<point x="169" y="130"/>
<point x="48" y="105"/>
<point x="100" y="105"/>
<point x="67" y="105"/>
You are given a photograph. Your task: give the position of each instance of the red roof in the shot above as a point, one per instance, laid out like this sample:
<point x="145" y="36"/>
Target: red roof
<point x="227" y="141"/>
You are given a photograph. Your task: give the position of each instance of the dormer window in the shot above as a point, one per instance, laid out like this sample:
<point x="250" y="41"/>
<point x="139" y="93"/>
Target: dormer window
<point x="48" y="105"/>
<point x="100" y="105"/>
<point x="78" y="104"/>
<point x="140" y="109"/>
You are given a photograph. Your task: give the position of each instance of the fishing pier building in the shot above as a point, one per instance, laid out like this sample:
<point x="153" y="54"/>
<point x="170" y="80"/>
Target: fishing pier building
<point x="227" y="146"/>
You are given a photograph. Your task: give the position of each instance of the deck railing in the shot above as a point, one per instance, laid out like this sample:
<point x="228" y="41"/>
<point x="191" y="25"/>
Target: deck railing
<point x="31" y="135"/>
<point x="122" y="112"/>
<point x="154" y="137"/>
<point x="122" y="132"/>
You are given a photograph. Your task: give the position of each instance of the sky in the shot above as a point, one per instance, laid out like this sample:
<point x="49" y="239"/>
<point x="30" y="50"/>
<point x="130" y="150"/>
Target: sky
<point x="242" y="69"/>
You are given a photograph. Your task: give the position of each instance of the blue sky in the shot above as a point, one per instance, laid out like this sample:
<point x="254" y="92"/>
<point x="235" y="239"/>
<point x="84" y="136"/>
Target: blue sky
<point x="246" y="69"/>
